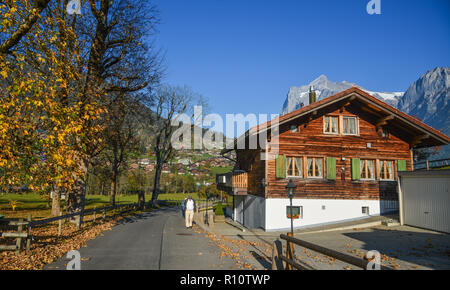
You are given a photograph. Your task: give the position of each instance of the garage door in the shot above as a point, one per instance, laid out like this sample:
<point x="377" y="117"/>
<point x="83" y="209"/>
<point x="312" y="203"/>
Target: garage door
<point x="426" y="202"/>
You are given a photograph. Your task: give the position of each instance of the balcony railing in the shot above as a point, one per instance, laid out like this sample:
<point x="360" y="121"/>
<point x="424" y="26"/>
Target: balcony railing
<point x="240" y="180"/>
<point x="234" y="183"/>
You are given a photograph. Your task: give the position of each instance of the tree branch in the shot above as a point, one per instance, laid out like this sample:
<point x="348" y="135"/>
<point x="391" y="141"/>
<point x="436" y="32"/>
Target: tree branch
<point x="38" y="7"/>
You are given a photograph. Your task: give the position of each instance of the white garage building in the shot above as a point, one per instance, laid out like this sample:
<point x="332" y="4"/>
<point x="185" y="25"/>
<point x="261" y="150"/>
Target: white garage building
<point x="424" y="198"/>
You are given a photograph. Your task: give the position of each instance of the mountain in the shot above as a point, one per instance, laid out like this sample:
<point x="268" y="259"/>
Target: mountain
<point x="428" y="99"/>
<point x="325" y="88"/>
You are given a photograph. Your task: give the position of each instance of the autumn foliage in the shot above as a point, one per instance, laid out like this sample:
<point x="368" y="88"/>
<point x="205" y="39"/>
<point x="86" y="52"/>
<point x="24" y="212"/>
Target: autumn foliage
<point x="43" y="114"/>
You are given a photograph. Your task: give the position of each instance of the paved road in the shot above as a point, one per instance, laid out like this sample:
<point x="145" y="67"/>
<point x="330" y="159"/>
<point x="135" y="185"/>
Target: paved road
<point x="153" y="240"/>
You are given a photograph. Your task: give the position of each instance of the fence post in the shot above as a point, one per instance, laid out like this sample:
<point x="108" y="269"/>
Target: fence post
<point x="95" y="213"/>
<point x="289" y="251"/>
<point x="60" y="224"/>
<point x="428" y="165"/>
<point x="104" y="213"/>
<point x="211" y="219"/>
<point x="80" y="218"/>
<point x="29" y="233"/>
<point x="19" y="239"/>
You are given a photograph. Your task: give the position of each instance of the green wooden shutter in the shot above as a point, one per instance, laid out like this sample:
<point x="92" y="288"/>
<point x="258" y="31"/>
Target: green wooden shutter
<point x="280" y="167"/>
<point x="331" y="168"/>
<point x="401" y="165"/>
<point x="356" y="169"/>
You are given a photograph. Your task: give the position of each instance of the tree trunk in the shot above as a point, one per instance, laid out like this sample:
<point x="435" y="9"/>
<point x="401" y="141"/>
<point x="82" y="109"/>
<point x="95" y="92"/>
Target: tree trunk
<point x="56" y="202"/>
<point x="156" y="189"/>
<point x="112" y="199"/>
<point x="76" y="198"/>
<point x="141" y="198"/>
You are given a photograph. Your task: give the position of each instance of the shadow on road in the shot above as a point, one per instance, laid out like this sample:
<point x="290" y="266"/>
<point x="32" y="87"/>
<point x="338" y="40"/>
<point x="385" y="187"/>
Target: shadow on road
<point x="428" y="249"/>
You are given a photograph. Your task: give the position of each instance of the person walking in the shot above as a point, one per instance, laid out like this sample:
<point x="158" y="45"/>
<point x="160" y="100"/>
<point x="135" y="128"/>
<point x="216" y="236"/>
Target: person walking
<point x="183" y="204"/>
<point x="189" y="212"/>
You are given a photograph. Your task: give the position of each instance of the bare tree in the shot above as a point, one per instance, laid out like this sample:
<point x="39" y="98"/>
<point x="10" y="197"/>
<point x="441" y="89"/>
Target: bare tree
<point x="168" y="103"/>
<point x="122" y="136"/>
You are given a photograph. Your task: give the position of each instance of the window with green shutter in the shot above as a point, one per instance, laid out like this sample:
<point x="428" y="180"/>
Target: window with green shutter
<point x="331" y="168"/>
<point x="401" y="165"/>
<point x="280" y="166"/>
<point x="356" y="169"/>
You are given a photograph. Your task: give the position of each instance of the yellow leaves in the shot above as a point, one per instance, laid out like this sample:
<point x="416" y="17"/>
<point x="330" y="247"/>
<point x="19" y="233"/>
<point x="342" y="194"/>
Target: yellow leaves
<point x="13" y="204"/>
<point x="77" y="129"/>
<point x="49" y="246"/>
<point x="56" y="157"/>
<point x="61" y="138"/>
<point x="54" y="136"/>
<point x="69" y="162"/>
<point x="38" y="103"/>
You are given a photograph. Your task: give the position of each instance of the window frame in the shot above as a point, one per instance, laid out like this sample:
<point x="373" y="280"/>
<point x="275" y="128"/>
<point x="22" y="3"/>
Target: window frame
<point x="367" y="213"/>
<point x="366" y="166"/>
<point x="384" y="174"/>
<point x="314" y="167"/>
<point x="300" y="168"/>
<point x="356" y="126"/>
<point x="330" y="118"/>
<point x="300" y="207"/>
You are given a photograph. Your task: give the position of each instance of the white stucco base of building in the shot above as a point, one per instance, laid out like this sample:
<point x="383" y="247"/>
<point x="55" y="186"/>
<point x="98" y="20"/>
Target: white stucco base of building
<point x="270" y="214"/>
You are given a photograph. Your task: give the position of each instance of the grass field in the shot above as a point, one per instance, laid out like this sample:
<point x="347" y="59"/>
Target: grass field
<point x="35" y="205"/>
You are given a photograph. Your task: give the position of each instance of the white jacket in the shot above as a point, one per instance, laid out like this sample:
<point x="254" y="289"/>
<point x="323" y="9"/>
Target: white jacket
<point x="189" y="204"/>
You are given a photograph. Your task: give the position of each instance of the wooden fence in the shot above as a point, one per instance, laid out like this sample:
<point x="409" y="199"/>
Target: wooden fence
<point x="431" y="164"/>
<point x="289" y="259"/>
<point x="21" y="234"/>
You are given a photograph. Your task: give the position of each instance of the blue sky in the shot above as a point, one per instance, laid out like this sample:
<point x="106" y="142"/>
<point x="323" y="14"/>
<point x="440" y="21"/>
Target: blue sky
<point x="243" y="55"/>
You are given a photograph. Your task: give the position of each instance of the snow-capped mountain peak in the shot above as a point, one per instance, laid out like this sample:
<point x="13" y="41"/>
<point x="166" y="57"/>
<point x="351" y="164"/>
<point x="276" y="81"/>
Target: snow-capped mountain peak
<point x="428" y="98"/>
<point x="325" y="88"/>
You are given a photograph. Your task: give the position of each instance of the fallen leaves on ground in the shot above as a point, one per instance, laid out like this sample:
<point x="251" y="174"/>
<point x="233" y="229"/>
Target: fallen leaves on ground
<point x="226" y="251"/>
<point x="47" y="246"/>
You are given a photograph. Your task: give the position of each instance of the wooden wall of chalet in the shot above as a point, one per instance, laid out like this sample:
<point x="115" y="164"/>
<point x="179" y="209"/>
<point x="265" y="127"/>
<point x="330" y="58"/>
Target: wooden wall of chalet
<point x="311" y="141"/>
<point x="250" y="161"/>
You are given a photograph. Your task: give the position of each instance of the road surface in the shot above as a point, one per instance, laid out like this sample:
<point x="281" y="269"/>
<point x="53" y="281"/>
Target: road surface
<point x="151" y="241"/>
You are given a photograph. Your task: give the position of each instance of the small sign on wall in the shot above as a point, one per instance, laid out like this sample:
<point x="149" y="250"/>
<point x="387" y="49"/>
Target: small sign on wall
<point x="297" y="212"/>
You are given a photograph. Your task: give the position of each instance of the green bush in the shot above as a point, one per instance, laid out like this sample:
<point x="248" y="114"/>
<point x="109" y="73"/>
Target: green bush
<point x="219" y="209"/>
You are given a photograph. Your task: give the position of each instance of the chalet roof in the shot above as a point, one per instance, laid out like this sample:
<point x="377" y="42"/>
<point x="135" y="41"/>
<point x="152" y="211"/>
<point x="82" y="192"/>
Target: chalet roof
<point x="417" y="128"/>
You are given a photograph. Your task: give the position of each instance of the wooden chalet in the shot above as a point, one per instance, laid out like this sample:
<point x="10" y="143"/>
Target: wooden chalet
<point x="343" y="154"/>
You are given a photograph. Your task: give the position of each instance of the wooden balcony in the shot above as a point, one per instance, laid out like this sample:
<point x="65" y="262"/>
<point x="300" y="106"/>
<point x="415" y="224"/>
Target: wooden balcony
<point x="234" y="183"/>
